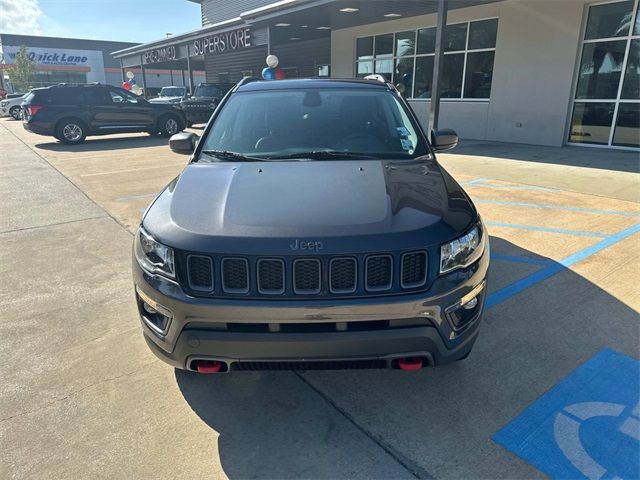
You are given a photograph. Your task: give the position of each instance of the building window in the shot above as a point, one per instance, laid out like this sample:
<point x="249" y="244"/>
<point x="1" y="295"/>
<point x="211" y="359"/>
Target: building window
<point x="606" y="106"/>
<point x="46" y="78"/>
<point x="406" y="59"/>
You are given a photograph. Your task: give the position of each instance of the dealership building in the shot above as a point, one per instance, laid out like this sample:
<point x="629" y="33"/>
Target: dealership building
<point x="71" y="60"/>
<point x="543" y="72"/>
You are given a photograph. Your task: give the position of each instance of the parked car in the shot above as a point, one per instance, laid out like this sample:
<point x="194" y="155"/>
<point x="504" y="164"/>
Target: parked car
<point x="171" y="95"/>
<point x="313" y="228"/>
<point x="72" y="112"/>
<point x="200" y="106"/>
<point x="10" y="107"/>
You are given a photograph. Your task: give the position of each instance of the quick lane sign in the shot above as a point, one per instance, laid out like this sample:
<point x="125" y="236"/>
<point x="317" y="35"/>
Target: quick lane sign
<point x="222" y="42"/>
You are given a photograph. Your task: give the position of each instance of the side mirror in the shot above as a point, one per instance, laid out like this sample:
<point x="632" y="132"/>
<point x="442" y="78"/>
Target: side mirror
<point x="183" y="143"/>
<point x="443" y="139"/>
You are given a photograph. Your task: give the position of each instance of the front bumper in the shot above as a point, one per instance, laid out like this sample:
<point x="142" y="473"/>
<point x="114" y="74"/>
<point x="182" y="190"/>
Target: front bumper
<point x="239" y="332"/>
<point x="197" y="116"/>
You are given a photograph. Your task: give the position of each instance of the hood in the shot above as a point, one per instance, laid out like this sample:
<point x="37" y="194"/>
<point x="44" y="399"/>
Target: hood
<point x="200" y="99"/>
<point x="165" y="100"/>
<point x="383" y="205"/>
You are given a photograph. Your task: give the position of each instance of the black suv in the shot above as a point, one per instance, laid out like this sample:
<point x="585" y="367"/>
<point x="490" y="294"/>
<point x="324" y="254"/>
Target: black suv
<point x="200" y="106"/>
<point x="313" y="228"/>
<point x="72" y="112"/>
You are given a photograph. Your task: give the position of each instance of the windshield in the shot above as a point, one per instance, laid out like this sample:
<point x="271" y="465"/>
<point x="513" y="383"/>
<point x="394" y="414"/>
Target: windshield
<point x="282" y="124"/>
<point x="172" y="91"/>
<point x="207" y="91"/>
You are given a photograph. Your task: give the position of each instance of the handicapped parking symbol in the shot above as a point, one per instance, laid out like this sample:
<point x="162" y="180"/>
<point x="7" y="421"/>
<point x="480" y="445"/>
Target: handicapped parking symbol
<point x="567" y="433"/>
<point x="587" y="426"/>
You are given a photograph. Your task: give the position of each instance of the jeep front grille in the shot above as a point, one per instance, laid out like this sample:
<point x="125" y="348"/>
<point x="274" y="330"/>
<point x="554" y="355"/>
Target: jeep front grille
<point x="200" y="273"/>
<point x="318" y="276"/>
<point x="379" y="273"/>
<point x="306" y="276"/>
<point x="343" y="275"/>
<point x="414" y="269"/>
<point x="235" y="275"/>
<point x="271" y="276"/>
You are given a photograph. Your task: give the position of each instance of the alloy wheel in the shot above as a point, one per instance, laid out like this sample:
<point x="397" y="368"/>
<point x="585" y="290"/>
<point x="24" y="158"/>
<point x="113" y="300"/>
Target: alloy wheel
<point x="171" y="126"/>
<point x="72" y="132"/>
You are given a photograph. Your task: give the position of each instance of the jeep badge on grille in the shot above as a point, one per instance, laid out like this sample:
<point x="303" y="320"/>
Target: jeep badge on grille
<point x="309" y="245"/>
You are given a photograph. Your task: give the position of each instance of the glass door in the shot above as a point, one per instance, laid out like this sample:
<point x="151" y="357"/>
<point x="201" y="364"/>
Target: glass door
<point x="606" y="106"/>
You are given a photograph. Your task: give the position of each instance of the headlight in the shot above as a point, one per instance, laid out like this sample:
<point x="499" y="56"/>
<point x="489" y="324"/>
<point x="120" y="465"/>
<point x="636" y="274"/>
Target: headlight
<point x="153" y="256"/>
<point x="3" y="103"/>
<point x="463" y="251"/>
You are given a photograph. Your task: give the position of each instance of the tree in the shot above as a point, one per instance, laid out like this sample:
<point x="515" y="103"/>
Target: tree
<point x="21" y="72"/>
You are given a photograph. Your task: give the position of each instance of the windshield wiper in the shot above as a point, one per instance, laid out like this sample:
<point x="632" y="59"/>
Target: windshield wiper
<point x="232" y="156"/>
<point x="324" y="155"/>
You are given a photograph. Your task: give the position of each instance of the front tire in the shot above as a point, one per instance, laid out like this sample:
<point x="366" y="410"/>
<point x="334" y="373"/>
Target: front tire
<point x="170" y="125"/>
<point x="15" y="113"/>
<point x="71" y="131"/>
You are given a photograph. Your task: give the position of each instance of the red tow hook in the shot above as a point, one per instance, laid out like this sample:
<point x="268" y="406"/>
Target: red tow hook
<point x="208" y="366"/>
<point x="410" y="364"/>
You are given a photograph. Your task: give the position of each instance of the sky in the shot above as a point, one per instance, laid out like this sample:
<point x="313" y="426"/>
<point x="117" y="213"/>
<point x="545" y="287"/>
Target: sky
<point x="124" y="20"/>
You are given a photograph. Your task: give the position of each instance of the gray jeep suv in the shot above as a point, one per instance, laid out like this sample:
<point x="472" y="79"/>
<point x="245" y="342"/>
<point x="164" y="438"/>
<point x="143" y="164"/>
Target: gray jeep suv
<point x="313" y="228"/>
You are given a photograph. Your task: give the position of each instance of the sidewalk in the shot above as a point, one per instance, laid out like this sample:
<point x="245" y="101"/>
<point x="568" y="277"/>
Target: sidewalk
<point x="594" y="171"/>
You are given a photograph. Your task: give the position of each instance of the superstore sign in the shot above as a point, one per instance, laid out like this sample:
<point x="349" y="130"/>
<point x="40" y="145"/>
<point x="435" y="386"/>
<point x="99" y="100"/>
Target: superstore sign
<point x="222" y="42"/>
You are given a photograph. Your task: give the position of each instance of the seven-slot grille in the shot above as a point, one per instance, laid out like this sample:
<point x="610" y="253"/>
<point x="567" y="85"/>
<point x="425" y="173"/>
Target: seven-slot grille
<point x="343" y="275"/>
<point x="271" y="276"/>
<point x="302" y="276"/>
<point x="200" y="273"/>
<point x="414" y="269"/>
<point x="379" y="273"/>
<point x="235" y="275"/>
<point x="307" y="277"/>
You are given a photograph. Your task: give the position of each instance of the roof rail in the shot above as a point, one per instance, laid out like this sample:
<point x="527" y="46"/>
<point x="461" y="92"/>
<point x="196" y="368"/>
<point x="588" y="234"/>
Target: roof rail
<point x="244" y="81"/>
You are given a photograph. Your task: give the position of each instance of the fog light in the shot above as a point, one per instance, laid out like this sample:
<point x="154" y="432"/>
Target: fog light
<point x="149" y="309"/>
<point x="471" y="304"/>
<point x="155" y="316"/>
<point x="464" y="311"/>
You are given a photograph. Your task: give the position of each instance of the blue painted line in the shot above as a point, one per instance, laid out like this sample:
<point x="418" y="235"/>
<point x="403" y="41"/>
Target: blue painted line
<point x="505" y="293"/>
<point x="556" y="207"/>
<point x="534" y="228"/>
<point x="477" y="181"/>
<point x="517" y="187"/>
<point x="483" y="183"/>
<point x="516" y="259"/>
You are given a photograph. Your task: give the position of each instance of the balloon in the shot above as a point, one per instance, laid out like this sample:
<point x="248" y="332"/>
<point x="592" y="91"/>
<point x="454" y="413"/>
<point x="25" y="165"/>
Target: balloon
<point x="268" y="73"/>
<point x="280" y="75"/>
<point x="406" y="80"/>
<point x="272" y="61"/>
<point x="126" y="86"/>
<point x="130" y="75"/>
<point x="132" y="82"/>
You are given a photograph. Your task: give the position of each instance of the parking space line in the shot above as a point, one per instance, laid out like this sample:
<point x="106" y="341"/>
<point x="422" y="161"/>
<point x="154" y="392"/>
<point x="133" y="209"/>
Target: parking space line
<point x="515" y="259"/>
<point x="556" y="207"/>
<point x="130" y="170"/>
<point x="509" y="291"/>
<point x="483" y="183"/>
<point x="471" y="183"/>
<point x="136" y="197"/>
<point x="534" y="228"/>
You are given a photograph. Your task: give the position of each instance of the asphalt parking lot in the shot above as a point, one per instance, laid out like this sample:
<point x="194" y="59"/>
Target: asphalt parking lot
<point x="81" y="395"/>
